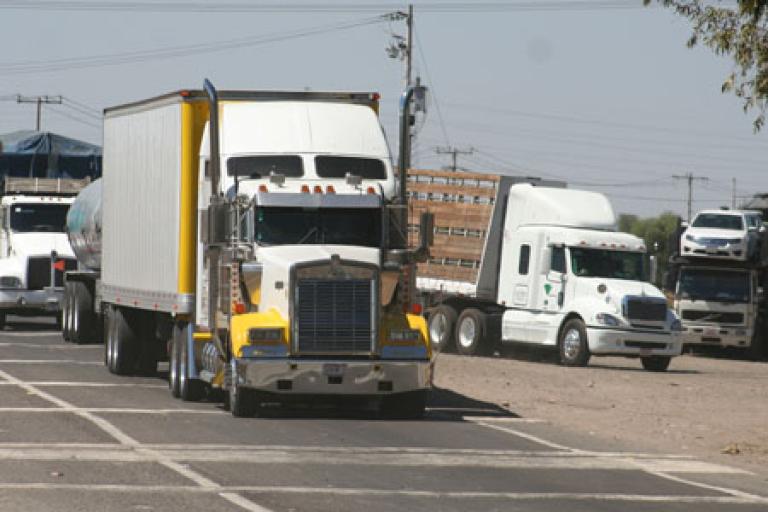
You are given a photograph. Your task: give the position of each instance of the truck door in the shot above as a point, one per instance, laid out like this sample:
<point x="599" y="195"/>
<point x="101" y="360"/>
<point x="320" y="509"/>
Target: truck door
<point x="553" y="292"/>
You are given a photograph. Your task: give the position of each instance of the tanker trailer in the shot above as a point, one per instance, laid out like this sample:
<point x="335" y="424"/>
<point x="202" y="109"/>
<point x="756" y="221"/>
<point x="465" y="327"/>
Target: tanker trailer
<point x="81" y="320"/>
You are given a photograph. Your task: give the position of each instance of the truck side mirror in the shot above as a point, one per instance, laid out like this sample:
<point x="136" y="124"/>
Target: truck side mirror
<point x="654" y="269"/>
<point x="760" y="293"/>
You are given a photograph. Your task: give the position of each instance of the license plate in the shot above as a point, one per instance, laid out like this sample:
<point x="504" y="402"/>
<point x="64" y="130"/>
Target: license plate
<point x="645" y="351"/>
<point x="333" y="370"/>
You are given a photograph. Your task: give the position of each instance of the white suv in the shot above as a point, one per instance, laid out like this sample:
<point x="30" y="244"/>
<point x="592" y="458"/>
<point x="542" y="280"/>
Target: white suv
<point x="725" y="234"/>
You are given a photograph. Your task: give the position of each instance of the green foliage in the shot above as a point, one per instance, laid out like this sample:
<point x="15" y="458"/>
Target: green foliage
<point x="739" y="32"/>
<point x="656" y="231"/>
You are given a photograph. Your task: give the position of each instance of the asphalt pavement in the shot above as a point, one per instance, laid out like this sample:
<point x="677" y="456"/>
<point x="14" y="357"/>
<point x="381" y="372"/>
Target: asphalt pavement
<point x="74" y="437"/>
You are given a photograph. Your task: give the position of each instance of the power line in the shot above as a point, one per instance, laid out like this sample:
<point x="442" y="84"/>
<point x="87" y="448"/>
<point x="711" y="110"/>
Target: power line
<point x="15" y="68"/>
<point x="76" y="119"/>
<point x="454" y="152"/>
<point x="433" y="92"/>
<point x="306" y="7"/>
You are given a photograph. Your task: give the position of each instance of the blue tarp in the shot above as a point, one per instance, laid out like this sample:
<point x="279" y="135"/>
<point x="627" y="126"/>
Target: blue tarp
<point x="47" y="155"/>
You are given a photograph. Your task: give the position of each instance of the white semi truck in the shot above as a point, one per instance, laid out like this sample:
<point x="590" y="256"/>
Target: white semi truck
<point x="254" y="239"/>
<point x="34" y="252"/>
<point x="555" y="272"/>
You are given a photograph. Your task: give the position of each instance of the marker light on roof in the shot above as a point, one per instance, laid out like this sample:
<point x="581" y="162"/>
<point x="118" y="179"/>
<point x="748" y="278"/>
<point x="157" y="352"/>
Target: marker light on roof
<point x="371" y="190"/>
<point x="263" y="188"/>
<point x="330" y="190"/>
<point x="318" y="189"/>
<point x="305" y="189"/>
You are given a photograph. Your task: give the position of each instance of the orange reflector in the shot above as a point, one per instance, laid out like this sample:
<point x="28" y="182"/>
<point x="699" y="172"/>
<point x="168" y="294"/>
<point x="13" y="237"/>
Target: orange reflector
<point x="184" y="93"/>
<point x="318" y="189"/>
<point x="239" y="308"/>
<point x="416" y="309"/>
<point x="263" y="188"/>
<point x="375" y="96"/>
<point x="371" y="190"/>
<point x="305" y="189"/>
<point x="330" y="190"/>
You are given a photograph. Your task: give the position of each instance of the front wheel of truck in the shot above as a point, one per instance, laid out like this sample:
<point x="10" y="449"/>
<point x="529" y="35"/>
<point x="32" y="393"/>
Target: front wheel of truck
<point x="573" y="344"/>
<point x="656" y="363"/>
<point x="242" y="403"/>
<point x="190" y="389"/>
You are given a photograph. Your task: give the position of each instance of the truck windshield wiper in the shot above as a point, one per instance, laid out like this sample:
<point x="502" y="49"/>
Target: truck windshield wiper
<point x="305" y="237"/>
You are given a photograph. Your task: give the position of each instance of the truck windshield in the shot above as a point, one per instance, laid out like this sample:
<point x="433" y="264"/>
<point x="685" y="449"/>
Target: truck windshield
<point x="713" y="285"/>
<point x="35" y="217"/>
<point x="332" y="226"/>
<point x="608" y="264"/>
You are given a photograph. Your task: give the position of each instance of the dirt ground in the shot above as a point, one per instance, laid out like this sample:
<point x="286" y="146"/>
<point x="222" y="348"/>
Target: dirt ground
<point x="712" y="408"/>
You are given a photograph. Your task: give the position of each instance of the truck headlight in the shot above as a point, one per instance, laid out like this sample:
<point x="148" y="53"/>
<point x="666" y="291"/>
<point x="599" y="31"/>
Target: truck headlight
<point x="690" y="238"/>
<point x="404" y="335"/>
<point x="265" y="335"/>
<point x="10" y="282"/>
<point x="677" y="325"/>
<point x="606" y="319"/>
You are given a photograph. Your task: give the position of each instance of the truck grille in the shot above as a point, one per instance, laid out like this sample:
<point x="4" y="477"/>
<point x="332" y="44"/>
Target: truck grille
<point x="334" y="315"/>
<point x="39" y="272"/>
<point x="645" y="310"/>
<point x="713" y="316"/>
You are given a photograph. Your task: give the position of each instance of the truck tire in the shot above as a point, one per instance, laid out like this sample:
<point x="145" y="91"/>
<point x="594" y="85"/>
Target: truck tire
<point x="441" y="324"/>
<point x="405" y="406"/>
<point x="656" y="363"/>
<point x="470" y="333"/>
<point x="174" y="366"/>
<point x="108" y="323"/>
<point x="82" y="318"/>
<point x="573" y="344"/>
<point x="124" y="344"/>
<point x="2" y="320"/>
<point x="242" y="402"/>
<point x="66" y="319"/>
<point x="190" y="389"/>
<point x="756" y="351"/>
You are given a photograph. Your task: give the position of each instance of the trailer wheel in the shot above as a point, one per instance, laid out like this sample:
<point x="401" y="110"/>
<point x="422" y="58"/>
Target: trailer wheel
<point x="190" y="389"/>
<point x="441" y="324"/>
<point x="124" y="344"/>
<point x="108" y="323"/>
<point x="2" y="320"/>
<point x="656" y="363"/>
<point x="82" y="318"/>
<point x="470" y="333"/>
<point x="573" y="346"/>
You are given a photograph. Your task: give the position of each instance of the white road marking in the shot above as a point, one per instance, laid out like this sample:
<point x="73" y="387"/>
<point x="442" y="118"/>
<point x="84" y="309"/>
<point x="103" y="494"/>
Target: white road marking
<point x="373" y="457"/>
<point x="120" y="436"/>
<point x="346" y="491"/>
<point x="499" y="419"/>
<point x="652" y="469"/>
<point x="524" y="435"/>
<point x="76" y="384"/>
<point x="30" y="334"/>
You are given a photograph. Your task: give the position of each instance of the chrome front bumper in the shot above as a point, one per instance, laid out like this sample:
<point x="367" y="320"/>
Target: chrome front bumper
<point x="369" y="378"/>
<point x="47" y="299"/>
<point x="630" y="342"/>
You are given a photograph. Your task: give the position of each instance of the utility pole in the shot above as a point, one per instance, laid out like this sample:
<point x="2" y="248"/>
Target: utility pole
<point x="454" y="152"/>
<point x="690" y="178"/>
<point x="39" y="100"/>
<point x="409" y="46"/>
<point x="733" y="194"/>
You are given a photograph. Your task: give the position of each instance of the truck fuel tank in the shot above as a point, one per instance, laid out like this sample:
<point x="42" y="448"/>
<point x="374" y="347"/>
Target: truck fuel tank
<point x="84" y="226"/>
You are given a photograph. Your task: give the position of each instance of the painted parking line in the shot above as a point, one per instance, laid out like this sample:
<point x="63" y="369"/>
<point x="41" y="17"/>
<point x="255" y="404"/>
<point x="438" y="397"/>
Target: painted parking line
<point x="51" y="361"/>
<point x="234" y="492"/>
<point x="128" y="441"/>
<point x="659" y="471"/>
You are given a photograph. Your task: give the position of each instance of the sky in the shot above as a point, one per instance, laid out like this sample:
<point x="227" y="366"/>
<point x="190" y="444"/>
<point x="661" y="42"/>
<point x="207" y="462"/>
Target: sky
<point x="603" y="94"/>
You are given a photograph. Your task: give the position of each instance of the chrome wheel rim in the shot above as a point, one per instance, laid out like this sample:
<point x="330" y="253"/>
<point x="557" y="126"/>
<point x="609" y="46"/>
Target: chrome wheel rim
<point x="467" y="332"/>
<point x="572" y="343"/>
<point x="438" y="327"/>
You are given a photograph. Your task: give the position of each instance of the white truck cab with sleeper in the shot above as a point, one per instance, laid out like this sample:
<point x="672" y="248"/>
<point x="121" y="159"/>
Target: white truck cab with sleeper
<point x="564" y="277"/>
